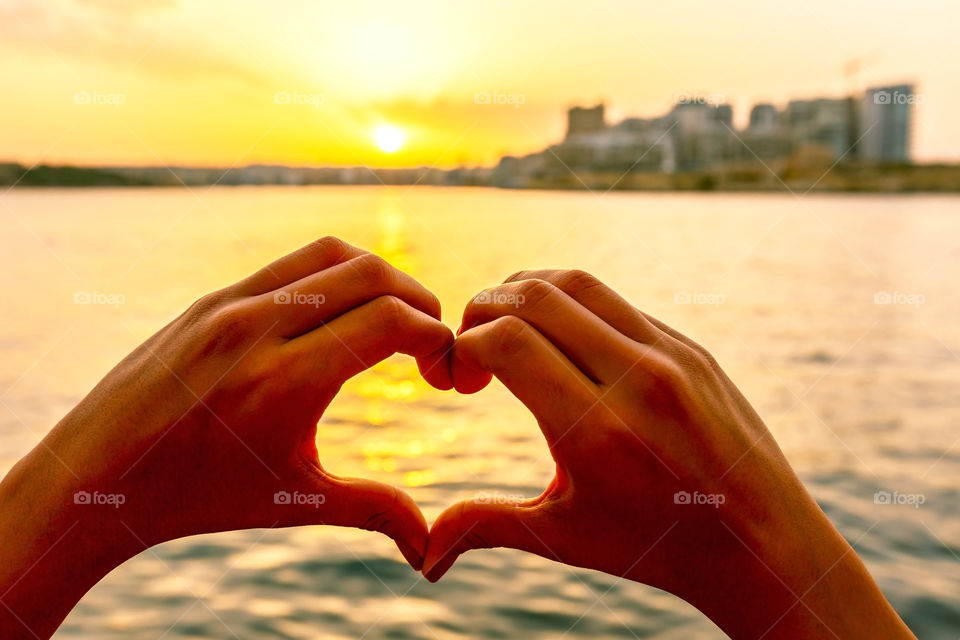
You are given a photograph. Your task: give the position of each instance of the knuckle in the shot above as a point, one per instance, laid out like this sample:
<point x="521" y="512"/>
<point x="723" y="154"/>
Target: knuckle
<point x="390" y="311"/>
<point x="704" y="357"/>
<point x="693" y="356"/>
<point x="667" y="383"/>
<point x="374" y="270"/>
<point x="658" y="375"/>
<point x="668" y="373"/>
<point x="519" y="275"/>
<point x="328" y="246"/>
<point x="667" y="369"/>
<point x="576" y="281"/>
<point x="230" y="325"/>
<point x="511" y="335"/>
<point x="535" y="291"/>
<point x="206" y="305"/>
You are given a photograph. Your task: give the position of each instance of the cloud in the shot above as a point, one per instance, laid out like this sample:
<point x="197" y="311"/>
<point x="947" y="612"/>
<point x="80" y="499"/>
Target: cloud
<point x="126" y="7"/>
<point x="119" y="34"/>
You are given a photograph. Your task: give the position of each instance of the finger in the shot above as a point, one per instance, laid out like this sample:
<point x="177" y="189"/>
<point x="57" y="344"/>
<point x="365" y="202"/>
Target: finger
<point x="467" y="379"/>
<point x="596" y="348"/>
<point x="532" y="368"/>
<point x="318" y="255"/>
<point x="362" y="337"/>
<point x="320" y="297"/>
<point x="600" y="299"/>
<point x="482" y="524"/>
<point x="611" y="307"/>
<point x="673" y="333"/>
<point x="375" y="506"/>
<point x="435" y="367"/>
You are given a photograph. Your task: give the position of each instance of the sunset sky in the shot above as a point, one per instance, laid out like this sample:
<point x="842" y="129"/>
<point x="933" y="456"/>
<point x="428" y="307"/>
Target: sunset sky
<point x="219" y="83"/>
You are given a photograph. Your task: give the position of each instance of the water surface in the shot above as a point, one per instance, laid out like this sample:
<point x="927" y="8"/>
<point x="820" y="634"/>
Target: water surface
<point x="861" y="396"/>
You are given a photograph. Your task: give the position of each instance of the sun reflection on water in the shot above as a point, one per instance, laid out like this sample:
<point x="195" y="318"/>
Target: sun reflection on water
<point x="390" y="242"/>
<point x="385" y="394"/>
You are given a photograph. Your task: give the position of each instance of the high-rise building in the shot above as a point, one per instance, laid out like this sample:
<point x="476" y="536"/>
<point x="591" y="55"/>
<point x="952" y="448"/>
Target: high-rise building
<point x="725" y="115"/>
<point x="702" y="134"/>
<point x="763" y="117"/>
<point x="582" y="120"/>
<point x="825" y="122"/>
<point x="886" y="115"/>
<point x="698" y="136"/>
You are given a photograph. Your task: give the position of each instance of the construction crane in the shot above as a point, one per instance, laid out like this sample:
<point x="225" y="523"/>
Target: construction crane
<point x="852" y="68"/>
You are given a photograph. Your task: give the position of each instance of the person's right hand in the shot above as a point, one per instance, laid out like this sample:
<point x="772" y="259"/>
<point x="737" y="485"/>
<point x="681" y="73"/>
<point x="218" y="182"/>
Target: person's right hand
<point x="664" y="473"/>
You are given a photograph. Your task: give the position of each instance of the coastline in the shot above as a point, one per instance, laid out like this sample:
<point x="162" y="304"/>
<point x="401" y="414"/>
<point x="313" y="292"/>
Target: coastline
<point x="842" y="178"/>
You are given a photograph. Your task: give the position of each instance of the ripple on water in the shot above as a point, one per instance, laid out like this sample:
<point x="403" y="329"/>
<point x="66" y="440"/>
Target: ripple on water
<point x="860" y="397"/>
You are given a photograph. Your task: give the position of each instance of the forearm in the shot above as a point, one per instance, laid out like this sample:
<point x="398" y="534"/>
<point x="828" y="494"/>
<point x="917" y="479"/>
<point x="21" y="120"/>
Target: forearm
<point x="52" y="551"/>
<point x="800" y="579"/>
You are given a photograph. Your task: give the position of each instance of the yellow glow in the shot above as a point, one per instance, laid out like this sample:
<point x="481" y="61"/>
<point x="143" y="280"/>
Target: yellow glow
<point x="374" y="414"/>
<point x="319" y="83"/>
<point x="419" y="478"/>
<point x="387" y="465"/>
<point x="388" y="138"/>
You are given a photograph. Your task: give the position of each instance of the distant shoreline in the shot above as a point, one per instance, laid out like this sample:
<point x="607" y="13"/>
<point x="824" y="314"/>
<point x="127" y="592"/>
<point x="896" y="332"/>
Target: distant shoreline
<point x="842" y="178"/>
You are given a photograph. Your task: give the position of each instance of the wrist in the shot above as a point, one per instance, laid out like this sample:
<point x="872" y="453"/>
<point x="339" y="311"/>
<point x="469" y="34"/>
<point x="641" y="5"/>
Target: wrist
<point x="792" y="576"/>
<point x="52" y="549"/>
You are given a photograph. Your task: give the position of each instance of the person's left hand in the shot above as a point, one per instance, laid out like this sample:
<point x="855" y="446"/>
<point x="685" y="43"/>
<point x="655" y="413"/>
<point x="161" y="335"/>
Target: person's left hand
<point x="211" y="425"/>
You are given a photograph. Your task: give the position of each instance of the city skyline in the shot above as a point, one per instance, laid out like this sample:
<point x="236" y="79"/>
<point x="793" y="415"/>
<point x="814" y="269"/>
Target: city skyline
<point x="764" y="118"/>
<point x="698" y="134"/>
<point x="215" y="85"/>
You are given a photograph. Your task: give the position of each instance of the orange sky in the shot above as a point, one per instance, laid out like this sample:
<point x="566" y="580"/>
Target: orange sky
<point x="207" y="83"/>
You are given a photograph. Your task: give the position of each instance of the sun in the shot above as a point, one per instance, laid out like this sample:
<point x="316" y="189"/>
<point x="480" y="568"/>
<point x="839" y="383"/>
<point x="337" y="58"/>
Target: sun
<point x="388" y="137"/>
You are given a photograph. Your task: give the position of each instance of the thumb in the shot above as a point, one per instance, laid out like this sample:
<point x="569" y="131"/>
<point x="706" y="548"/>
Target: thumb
<point x="482" y="523"/>
<point x="376" y="506"/>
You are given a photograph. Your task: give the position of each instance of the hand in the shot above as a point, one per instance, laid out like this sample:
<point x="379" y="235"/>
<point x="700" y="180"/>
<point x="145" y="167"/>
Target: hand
<point x="210" y="425"/>
<point x="664" y="473"/>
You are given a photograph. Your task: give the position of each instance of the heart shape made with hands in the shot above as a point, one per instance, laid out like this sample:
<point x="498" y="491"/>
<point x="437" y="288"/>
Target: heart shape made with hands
<point x="523" y="332"/>
<point x="624" y="402"/>
<point x="664" y="473"/>
<point x="465" y="369"/>
<point x="663" y="469"/>
<point x="575" y="353"/>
